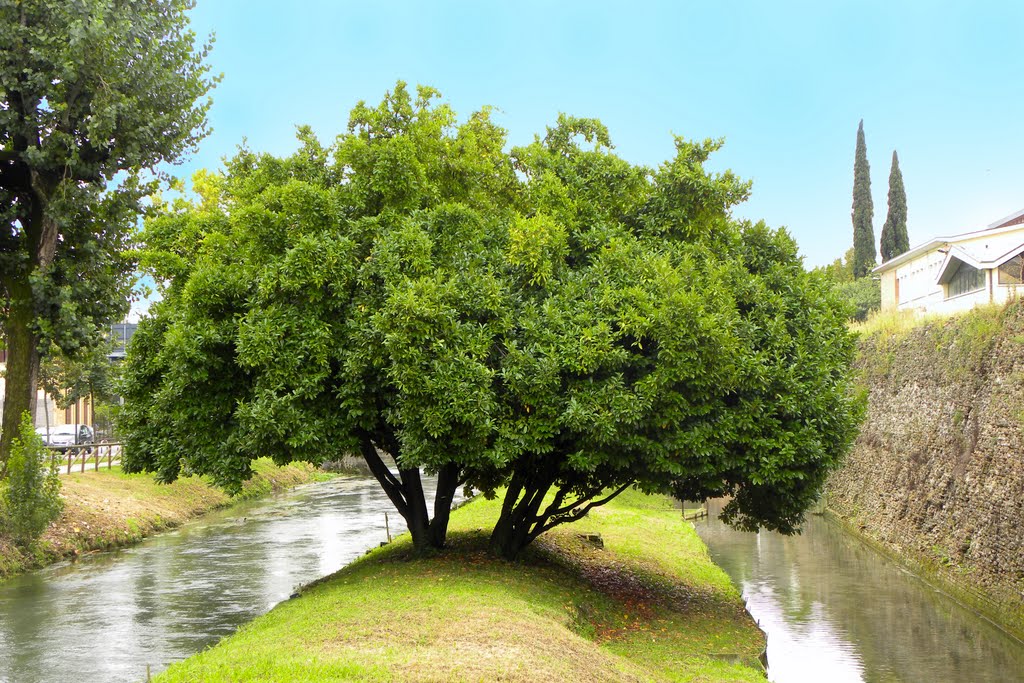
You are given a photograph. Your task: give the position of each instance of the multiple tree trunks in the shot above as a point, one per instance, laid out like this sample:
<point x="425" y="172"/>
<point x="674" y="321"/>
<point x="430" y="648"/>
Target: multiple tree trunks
<point x="406" y="493"/>
<point x="522" y="520"/>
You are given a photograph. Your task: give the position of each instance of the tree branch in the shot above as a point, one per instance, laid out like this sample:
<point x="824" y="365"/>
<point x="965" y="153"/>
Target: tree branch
<point x="14" y="173"/>
<point x="392" y="487"/>
<point x="573" y="514"/>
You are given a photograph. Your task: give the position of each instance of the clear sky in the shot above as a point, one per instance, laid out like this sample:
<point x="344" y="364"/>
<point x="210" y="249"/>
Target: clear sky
<point x="785" y="83"/>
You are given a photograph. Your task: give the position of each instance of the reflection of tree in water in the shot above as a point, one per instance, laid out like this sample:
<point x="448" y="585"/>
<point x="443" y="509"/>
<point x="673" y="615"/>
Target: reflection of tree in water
<point x="109" y="615"/>
<point x="902" y="629"/>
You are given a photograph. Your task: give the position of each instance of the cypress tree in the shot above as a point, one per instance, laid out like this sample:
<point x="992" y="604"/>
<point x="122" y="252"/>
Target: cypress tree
<point x="863" y="210"/>
<point x="894" y="232"/>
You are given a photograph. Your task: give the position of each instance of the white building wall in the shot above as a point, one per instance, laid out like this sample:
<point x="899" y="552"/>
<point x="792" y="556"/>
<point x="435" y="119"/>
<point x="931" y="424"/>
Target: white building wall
<point x="916" y="286"/>
<point x="915" y="282"/>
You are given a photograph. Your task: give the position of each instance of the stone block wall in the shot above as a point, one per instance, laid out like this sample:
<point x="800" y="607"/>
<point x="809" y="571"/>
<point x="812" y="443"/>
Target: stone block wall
<point x="936" y="477"/>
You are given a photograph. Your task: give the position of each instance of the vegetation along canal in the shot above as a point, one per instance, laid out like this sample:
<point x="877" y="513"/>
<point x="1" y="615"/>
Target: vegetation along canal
<point x="107" y="616"/>
<point x="831" y="604"/>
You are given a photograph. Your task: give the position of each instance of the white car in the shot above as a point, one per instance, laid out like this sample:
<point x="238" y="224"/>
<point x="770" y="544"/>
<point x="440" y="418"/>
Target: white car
<point x="66" y="435"/>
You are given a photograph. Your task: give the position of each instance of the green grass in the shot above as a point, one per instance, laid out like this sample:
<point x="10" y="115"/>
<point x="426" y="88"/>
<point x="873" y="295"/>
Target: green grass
<point x="650" y="606"/>
<point x="894" y="323"/>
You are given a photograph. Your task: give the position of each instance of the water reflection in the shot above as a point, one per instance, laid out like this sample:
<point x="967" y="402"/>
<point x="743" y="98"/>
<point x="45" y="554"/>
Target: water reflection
<point x="107" y="616"/>
<point x="835" y="610"/>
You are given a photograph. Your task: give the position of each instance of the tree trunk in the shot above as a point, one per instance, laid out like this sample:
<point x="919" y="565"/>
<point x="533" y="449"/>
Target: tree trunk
<point x="406" y="493"/>
<point x="40" y="234"/>
<point x="22" y="366"/>
<point x="447" y="483"/>
<point x="513" y="530"/>
<point x="417" y="519"/>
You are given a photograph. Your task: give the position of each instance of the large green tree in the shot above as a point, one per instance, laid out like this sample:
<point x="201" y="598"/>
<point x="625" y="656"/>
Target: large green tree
<point x="550" y="323"/>
<point x="269" y="339"/>
<point x="653" y="342"/>
<point x="863" y="209"/>
<point x="894" y="231"/>
<point x="91" y="92"/>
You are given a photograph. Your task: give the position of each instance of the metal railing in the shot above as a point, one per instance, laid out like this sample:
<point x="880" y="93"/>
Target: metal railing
<point x="81" y="455"/>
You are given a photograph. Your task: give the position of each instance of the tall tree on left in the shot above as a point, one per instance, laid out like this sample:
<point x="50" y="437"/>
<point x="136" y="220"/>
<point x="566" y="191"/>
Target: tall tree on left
<point x="94" y="95"/>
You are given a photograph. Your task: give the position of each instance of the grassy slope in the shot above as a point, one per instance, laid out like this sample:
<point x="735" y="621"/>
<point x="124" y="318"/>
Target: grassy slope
<point x="650" y="606"/>
<point x="107" y="509"/>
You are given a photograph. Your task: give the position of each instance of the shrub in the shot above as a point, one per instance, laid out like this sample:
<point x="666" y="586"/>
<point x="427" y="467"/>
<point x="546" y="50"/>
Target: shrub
<point x="863" y="295"/>
<point x="30" y="498"/>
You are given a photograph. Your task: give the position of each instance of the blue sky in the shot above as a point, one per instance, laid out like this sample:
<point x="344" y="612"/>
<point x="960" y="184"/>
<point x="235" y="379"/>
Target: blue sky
<point x="785" y="83"/>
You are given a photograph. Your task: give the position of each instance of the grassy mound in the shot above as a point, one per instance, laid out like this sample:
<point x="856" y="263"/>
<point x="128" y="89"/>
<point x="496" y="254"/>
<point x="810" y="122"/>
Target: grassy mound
<point x="650" y="605"/>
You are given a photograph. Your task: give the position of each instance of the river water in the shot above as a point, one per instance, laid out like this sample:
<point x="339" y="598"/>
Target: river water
<point x="837" y="611"/>
<point x="107" y="616"/>
<point x="834" y="609"/>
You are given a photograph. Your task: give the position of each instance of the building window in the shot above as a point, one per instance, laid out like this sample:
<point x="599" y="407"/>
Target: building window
<point x="966" y="279"/>
<point x="1012" y="272"/>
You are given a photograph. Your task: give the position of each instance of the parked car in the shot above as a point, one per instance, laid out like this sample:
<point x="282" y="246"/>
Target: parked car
<point x="67" y="435"/>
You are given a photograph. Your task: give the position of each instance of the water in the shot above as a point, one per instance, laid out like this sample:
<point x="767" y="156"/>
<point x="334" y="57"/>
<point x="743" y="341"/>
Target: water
<point x="107" y="616"/>
<point x="836" y="610"/>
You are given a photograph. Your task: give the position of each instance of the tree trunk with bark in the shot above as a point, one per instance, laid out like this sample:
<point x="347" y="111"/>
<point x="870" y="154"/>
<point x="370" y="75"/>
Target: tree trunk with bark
<point x="406" y="493"/>
<point x="447" y="485"/>
<point x="517" y="524"/>
<point x="521" y="519"/>
<point x="22" y="366"/>
<point x="39" y="234"/>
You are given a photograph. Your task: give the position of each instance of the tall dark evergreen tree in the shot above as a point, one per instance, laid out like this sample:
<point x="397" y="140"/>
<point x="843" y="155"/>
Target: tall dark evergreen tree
<point x="894" y="231"/>
<point x="863" y="210"/>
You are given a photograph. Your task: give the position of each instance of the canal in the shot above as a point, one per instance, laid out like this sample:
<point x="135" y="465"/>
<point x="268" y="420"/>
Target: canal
<point x="836" y="610"/>
<point x="109" y="615"/>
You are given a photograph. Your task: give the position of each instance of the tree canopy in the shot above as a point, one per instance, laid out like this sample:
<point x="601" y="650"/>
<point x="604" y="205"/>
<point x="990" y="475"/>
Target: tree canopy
<point x="894" y="232"/>
<point x="92" y="93"/>
<point x="549" y="323"/>
<point x="863" y="210"/>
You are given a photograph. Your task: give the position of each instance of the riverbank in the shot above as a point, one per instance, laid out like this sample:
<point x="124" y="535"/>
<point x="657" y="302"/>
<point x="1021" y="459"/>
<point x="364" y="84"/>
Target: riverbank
<point x="110" y="509"/>
<point x="649" y="605"/>
<point x="935" y="478"/>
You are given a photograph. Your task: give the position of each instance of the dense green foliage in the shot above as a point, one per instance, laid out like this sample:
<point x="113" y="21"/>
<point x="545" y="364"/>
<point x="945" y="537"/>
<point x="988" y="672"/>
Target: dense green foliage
<point x="840" y="270"/>
<point x="87" y="374"/>
<point x="552" y="319"/>
<point x="89" y="90"/>
<point x="30" y="496"/>
<point x="894" y="232"/>
<point x="863" y="210"/>
<point x="862" y="295"/>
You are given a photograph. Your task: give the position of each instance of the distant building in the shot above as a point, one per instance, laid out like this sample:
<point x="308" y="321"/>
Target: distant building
<point x="950" y="274"/>
<point x="120" y="335"/>
<point x="47" y="413"/>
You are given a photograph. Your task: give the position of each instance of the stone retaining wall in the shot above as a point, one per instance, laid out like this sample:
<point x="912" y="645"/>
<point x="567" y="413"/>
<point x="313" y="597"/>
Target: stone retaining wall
<point x="936" y="477"/>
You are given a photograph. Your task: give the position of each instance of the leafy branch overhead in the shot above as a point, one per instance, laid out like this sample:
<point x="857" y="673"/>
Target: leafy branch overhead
<point x="550" y="322"/>
<point x="94" y="95"/>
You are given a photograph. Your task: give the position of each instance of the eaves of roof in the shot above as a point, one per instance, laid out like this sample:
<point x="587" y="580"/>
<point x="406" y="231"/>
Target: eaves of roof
<point x="938" y="241"/>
